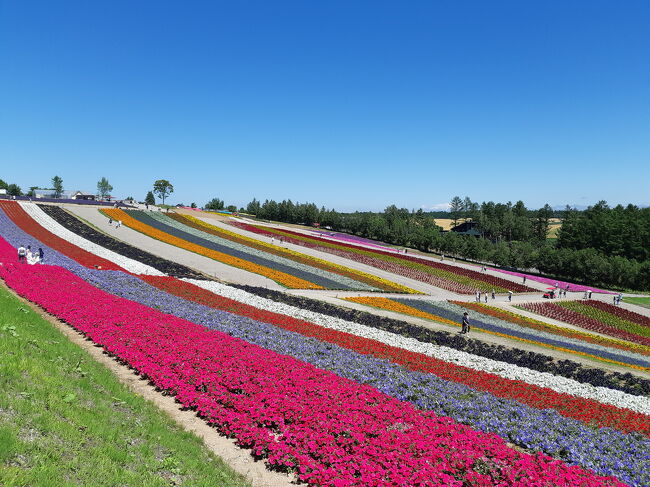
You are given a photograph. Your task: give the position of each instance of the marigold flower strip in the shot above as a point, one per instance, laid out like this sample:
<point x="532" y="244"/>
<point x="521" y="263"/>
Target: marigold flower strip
<point x="280" y="277"/>
<point x="329" y="279"/>
<point x="374" y="281"/>
<point x="294" y="414"/>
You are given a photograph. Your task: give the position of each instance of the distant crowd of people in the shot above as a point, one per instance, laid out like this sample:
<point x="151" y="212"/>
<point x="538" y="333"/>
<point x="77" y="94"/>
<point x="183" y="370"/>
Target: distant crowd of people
<point x="26" y="256"/>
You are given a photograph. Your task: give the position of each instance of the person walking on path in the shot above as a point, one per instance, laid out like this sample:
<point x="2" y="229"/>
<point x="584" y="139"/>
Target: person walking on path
<point x="478" y="296"/>
<point x="486" y="297"/>
<point x="589" y="294"/>
<point x="21" y="254"/>
<point x="465" y="327"/>
<point x="493" y="294"/>
<point x="119" y="224"/>
<point x="509" y="295"/>
<point x="41" y="255"/>
<point x="524" y="282"/>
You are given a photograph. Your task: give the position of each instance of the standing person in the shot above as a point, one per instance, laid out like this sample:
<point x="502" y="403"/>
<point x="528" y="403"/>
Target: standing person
<point x="119" y="224"/>
<point x="486" y="296"/>
<point x="524" y="282"/>
<point x="110" y="221"/>
<point x="478" y="296"/>
<point x="509" y="295"/>
<point x="465" y="326"/>
<point x="585" y="295"/>
<point x="590" y="294"/>
<point x="41" y="255"/>
<point x="615" y="299"/>
<point x="620" y="298"/>
<point x="21" y="254"/>
<point x="493" y="294"/>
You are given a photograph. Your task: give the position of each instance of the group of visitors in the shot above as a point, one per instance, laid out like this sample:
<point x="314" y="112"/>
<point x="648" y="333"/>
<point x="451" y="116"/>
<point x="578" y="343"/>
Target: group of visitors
<point x="618" y="298"/>
<point x="25" y="255"/>
<point x="485" y="295"/>
<point x="118" y="223"/>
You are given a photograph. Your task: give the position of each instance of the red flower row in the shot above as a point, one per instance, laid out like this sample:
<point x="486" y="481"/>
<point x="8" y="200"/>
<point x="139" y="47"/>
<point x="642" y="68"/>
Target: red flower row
<point x="587" y="410"/>
<point x="331" y="430"/>
<point x="20" y="217"/>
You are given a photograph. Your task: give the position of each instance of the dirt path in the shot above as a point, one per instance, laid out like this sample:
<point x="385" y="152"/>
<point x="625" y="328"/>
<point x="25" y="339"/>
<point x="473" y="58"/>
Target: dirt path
<point x="238" y="459"/>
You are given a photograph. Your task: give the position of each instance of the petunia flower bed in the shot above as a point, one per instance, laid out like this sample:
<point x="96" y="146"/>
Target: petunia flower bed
<point x="326" y="428"/>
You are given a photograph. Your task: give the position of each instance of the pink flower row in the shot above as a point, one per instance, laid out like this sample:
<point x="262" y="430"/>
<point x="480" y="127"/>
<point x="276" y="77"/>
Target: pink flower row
<point x="330" y="430"/>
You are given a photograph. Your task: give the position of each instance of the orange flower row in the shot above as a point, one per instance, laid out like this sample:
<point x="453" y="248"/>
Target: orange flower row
<point x="360" y="276"/>
<point x="279" y="277"/>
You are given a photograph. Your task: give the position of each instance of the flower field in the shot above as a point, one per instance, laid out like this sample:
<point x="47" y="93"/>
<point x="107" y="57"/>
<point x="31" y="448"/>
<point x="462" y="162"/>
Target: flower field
<point x="594" y="317"/>
<point x="448" y="277"/>
<point x="287" y="272"/>
<point x="451" y="313"/>
<point x="342" y="397"/>
<point x="250" y="243"/>
<point x="83" y="230"/>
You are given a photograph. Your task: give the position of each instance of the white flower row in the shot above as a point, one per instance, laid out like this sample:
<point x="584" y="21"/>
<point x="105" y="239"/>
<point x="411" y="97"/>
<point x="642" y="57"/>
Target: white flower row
<point x="47" y="222"/>
<point x="338" y="278"/>
<point x="503" y="369"/>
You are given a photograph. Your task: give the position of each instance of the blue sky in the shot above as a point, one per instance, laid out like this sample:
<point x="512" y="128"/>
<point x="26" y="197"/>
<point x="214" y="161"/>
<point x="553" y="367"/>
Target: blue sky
<point x="351" y="105"/>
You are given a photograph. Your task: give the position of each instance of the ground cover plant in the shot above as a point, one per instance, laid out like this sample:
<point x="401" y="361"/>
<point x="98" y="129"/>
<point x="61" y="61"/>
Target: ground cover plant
<point x="270" y="248"/>
<point x="451" y="278"/>
<point x="626" y="382"/>
<point x="77" y="226"/>
<point x="282" y="278"/>
<point x="352" y="433"/>
<point x="452" y="314"/>
<point x="66" y="419"/>
<point x="591" y="318"/>
<point x="638" y="301"/>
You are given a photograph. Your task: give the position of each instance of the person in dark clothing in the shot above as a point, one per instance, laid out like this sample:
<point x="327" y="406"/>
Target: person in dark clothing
<point x="466" y="326"/>
<point x="41" y="254"/>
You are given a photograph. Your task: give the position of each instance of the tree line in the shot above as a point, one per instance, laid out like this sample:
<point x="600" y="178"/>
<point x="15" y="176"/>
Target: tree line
<point x="600" y="246"/>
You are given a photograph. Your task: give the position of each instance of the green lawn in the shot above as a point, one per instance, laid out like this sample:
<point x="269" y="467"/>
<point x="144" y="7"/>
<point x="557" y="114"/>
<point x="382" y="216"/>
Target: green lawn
<point x="66" y="420"/>
<point x="645" y="302"/>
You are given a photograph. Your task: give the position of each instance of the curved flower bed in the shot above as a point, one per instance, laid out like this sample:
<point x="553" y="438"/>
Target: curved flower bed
<point x="50" y="225"/>
<point x="619" y="312"/>
<point x="268" y="248"/>
<point x="576" y="317"/>
<point x="579" y="288"/>
<point x="451" y="278"/>
<point x="535" y="361"/>
<point x="80" y="228"/>
<point x="14" y="211"/>
<point x="279" y="277"/>
<point x="352" y="433"/>
<point x="506" y="315"/>
<point x="454" y="313"/>
<point x="601" y="313"/>
<point x="324" y="278"/>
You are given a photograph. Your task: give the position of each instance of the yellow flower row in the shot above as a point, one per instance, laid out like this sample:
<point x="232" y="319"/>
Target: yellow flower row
<point x="323" y="264"/>
<point x="390" y="305"/>
<point x="279" y="277"/>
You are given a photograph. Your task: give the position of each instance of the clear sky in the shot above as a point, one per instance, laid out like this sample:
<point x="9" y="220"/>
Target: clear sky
<point x="351" y="105"/>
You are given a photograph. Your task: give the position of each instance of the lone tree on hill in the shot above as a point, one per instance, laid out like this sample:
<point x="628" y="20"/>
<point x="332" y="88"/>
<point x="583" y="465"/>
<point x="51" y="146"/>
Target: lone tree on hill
<point x="149" y="199"/>
<point x="456" y="209"/>
<point x="215" y="204"/>
<point x="104" y="188"/>
<point x="57" y="186"/>
<point x="163" y="188"/>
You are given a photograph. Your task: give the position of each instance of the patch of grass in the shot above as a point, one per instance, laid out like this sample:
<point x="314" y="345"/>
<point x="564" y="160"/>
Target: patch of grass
<point x="67" y="420"/>
<point x="645" y="302"/>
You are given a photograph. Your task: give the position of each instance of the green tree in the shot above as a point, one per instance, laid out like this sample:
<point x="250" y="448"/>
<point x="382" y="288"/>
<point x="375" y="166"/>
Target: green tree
<point x="149" y="199"/>
<point x="14" y="190"/>
<point x="456" y="207"/>
<point x="231" y="208"/>
<point x="193" y="205"/>
<point x="57" y="186"/>
<point x="3" y="185"/>
<point x="163" y="188"/>
<point x="253" y="207"/>
<point x="104" y="188"/>
<point x="215" y="204"/>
